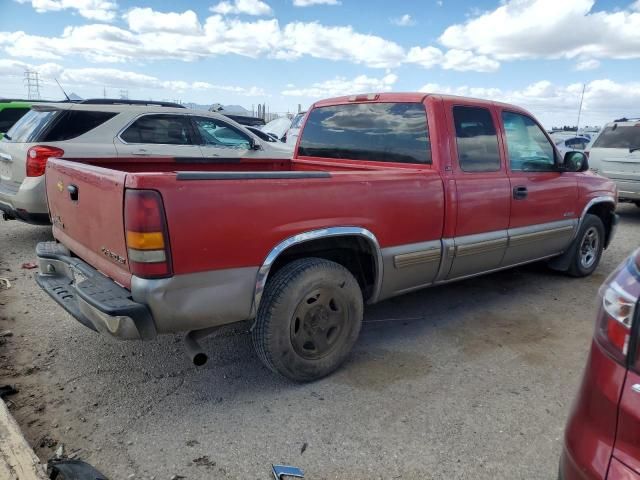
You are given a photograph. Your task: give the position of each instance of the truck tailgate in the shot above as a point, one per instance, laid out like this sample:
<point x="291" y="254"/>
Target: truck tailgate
<point x="86" y="206"/>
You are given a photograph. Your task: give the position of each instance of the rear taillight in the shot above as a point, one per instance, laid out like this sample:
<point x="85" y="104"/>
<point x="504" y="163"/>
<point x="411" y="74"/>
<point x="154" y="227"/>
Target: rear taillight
<point x="146" y="234"/>
<point x="618" y="297"/>
<point x="37" y="158"/>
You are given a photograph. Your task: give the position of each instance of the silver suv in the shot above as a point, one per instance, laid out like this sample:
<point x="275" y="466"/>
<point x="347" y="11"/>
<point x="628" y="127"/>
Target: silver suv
<point x="113" y="132"/>
<point x="615" y="153"/>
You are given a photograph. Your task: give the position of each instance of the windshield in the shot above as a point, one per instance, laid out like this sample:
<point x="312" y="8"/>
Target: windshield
<point x="619" y="136"/>
<point x="29" y="127"/>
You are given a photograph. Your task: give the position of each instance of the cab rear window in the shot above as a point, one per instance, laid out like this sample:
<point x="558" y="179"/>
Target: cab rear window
<point x="384" y="132"/>
<point x="619" y="136"/>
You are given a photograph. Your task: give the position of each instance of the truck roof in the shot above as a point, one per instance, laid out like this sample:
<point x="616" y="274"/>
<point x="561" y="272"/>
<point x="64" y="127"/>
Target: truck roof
<point x="405" y="97"/>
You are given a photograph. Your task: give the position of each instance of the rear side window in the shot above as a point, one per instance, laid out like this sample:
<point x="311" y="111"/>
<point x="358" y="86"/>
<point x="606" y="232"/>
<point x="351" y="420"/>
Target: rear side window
<point x="476" y="139"/>
<point x="159" y="129"/>
<point x="30" y="126"/>
<point x="618" y="136"/>
<point x="73" y="123"/>
<point x="384" y="132"/>
<point x="9" y="116"/>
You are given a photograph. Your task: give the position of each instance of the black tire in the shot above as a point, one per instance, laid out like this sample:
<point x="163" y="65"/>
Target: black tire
<point x="587" y="247"/>
<point x="308" y="320"/>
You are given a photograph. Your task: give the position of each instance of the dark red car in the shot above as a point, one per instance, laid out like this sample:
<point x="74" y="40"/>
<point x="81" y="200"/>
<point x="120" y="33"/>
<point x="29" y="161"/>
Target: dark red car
<point x="602" y="439"/>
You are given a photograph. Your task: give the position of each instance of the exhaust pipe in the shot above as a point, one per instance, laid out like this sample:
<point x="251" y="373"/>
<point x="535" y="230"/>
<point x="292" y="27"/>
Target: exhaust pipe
<point x="194" y="349"/>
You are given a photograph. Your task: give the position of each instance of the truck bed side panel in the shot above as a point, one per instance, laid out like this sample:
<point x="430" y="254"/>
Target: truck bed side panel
<point x="217" y="224"/>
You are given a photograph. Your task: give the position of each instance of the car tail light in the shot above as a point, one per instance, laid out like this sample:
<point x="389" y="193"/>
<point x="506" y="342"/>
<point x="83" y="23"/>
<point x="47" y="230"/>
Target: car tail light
<point x="619" y="297"/>
<point x="146" y="234"/>
<point x="37" y="158"/>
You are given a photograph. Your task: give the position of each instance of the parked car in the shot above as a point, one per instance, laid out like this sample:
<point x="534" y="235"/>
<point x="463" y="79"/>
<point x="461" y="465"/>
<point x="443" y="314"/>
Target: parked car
<point x="571" y="143"/>
<point x="278" y="128"/>
<point x="602" y="438"/>
<point x="10" y="112"/>
<point x="291" y="137"/>
<point x="386" y="193"/>
<point x="113" y="131"/>
<point x="615" y="153"/>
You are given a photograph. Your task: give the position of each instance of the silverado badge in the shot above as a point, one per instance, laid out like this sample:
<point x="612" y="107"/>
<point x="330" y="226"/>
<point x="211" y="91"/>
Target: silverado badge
<point x="113" y="256"/>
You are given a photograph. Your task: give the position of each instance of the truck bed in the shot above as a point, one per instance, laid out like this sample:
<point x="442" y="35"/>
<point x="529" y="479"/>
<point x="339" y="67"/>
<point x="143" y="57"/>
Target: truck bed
<point x="230" y="214"/>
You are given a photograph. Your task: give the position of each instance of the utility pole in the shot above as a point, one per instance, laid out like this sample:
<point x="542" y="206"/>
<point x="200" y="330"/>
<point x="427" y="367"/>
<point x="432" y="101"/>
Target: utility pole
<point x="104" y="92"/>
<point x="584" y="86"/>
<point x="32" y="82"/>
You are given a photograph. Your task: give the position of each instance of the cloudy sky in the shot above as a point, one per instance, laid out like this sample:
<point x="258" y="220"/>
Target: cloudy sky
<point x="536" y="53"/>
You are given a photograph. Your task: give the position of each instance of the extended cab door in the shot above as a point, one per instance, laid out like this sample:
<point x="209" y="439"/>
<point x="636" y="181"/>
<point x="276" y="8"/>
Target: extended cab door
<point x="544" y="213"/>
<point x="482" y="190"/>
<point x="158" y="135"/>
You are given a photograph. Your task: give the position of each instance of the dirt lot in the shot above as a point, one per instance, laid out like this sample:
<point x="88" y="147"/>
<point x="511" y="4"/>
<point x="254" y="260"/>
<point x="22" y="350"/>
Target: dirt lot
<point x="471" y="380"/>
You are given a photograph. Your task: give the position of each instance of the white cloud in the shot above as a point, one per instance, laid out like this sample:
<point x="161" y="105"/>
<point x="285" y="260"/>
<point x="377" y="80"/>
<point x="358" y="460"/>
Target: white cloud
<point x="591" y="64"/>
<point x="242" y="7"/>
<point x="554" y="104"/>
<point x="308" y="3"/>
<point x="460" y="60"/>
<point x="343" y="86"/>
<point x="403" y="21"/>
<point x="74" y="78"/>
<point x="104" y="10"/>
<point x="550" y="29"/>
<point x="142" y="20"/>
<point x="339" y="43"/>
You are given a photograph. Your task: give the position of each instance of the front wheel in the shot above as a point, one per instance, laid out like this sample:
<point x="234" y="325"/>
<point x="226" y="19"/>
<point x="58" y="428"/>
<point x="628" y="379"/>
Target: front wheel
<point x="308" y="320"/>
<point x="588" y="247"/>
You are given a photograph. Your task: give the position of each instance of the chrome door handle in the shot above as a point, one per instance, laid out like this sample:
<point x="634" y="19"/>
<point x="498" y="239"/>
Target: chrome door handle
<point x="142" y="151"/>
<point x="636" y="388"/>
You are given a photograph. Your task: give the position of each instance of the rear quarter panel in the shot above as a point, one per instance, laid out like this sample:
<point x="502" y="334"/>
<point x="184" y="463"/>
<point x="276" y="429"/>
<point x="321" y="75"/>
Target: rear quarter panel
<point x="216" y="224"/>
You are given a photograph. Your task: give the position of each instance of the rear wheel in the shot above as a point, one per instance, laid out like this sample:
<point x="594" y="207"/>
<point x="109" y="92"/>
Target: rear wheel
<point x="588" y="247"/>
<point x="309" y="319"/>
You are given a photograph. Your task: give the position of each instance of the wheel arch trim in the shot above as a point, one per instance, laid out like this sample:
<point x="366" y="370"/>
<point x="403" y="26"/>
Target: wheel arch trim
<point x="591" y="203"/>
<point x="280" y="248"/>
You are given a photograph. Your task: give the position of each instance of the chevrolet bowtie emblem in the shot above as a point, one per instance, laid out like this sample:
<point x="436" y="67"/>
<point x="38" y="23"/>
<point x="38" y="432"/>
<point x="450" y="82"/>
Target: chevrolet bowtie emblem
<point x="60" y="186"/>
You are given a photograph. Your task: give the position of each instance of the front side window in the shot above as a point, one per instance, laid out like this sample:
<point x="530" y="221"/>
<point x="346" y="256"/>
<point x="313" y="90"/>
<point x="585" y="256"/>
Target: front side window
<point x="382" y="132"/>
<point x="159" y="129"/>
<point x="476" y="139"/>
<point x="527" y="145"/>
<point x="619" y="136"/>
<point x="214" y="133"/>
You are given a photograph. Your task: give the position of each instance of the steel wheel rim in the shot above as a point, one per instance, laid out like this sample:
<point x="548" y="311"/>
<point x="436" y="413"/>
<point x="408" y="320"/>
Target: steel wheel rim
<point x="318" y="324"/>
<point x="589" y="247"/>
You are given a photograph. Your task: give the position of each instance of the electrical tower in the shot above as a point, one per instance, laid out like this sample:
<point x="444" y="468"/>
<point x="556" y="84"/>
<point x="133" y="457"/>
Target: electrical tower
<point x="124" y="94"/>
<point x="32" y="82"/>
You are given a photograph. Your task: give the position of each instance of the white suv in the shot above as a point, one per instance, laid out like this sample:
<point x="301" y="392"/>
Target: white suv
<point x="117" y="131"/>
<point x="615" y="153"/>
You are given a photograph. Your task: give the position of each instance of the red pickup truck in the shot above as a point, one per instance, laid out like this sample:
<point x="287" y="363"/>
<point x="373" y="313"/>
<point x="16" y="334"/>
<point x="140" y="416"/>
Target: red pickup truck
<point x="386" y="193"/>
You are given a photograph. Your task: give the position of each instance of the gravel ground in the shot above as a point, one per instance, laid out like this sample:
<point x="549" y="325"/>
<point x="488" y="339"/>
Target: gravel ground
<point x="470" y="380"/>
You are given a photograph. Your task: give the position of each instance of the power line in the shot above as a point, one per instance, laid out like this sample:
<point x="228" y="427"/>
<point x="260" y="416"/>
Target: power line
<point x="32" y="82"/>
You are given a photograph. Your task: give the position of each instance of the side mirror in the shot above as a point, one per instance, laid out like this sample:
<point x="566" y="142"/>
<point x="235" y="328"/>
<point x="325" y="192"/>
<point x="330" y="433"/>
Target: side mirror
<point x="575" y="162"/>
<point x="253" y="144"/>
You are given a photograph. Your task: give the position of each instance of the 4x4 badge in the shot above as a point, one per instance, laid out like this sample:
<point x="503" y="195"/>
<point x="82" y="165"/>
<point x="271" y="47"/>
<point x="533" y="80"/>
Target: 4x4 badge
<point x="60" y="186"/>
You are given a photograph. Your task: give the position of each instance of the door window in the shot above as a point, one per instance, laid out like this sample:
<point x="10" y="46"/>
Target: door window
<point x="527" y="146"/>
<point x="159" y="129"/>
<point x="215" y="133"/>
<point x="577" y="143"/>
<point x="476" y="140"/>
